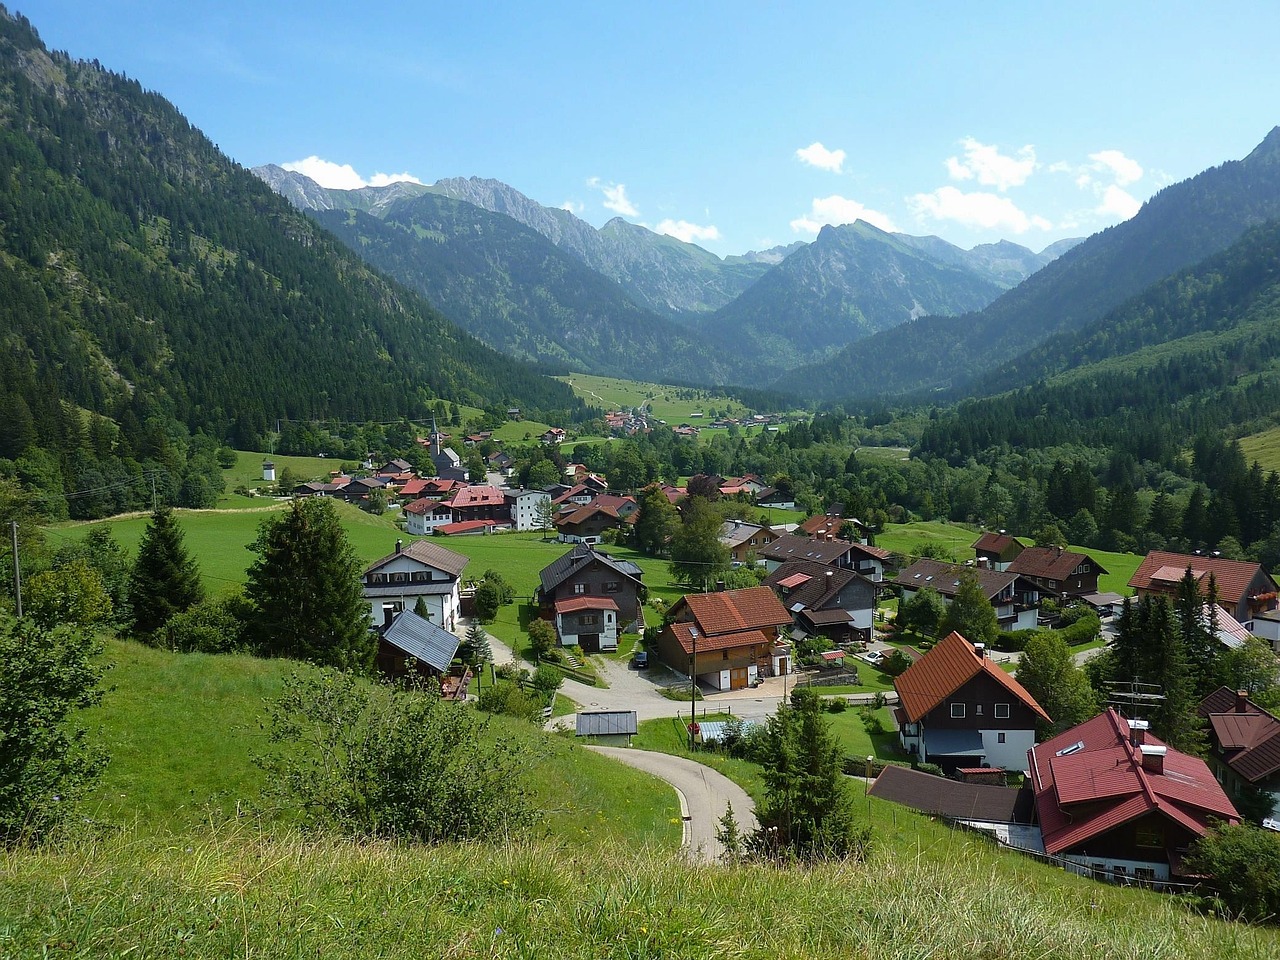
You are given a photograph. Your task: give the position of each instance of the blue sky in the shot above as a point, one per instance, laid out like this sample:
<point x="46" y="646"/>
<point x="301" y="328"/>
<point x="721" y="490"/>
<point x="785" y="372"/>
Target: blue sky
<point x="735" y="125"/>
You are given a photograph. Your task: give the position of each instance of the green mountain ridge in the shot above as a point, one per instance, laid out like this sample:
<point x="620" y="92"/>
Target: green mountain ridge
<point x="514" y="289"/>
<point x="142" y="271"/>
<point x="1181" y="225"/>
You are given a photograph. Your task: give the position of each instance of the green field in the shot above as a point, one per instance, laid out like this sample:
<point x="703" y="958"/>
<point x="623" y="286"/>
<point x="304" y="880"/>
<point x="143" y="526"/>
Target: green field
<point x="663" y="401"/>
<point x="182" y="731"/>
<point x="1263" y="447"/>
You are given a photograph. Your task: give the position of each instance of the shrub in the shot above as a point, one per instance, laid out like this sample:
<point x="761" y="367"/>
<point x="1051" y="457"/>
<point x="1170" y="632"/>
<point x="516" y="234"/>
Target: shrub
<point x="542" y="638"/>
<point x="388" y="762"/>
<point x="1014" y="641"/>
<point x="214" y="625"/>
<point x="547" y="680"/>
<point x="510" y="698"/>
<point x="871" y="721"/>
<point x="895" y="663"/>
<point x="46" y="763"/>
<point x="836" y="704"/>
<point x="1244" y="862"/>
<point x="930" y="768"/>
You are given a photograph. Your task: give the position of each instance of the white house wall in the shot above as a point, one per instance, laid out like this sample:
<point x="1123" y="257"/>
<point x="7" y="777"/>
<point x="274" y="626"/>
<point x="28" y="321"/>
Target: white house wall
<point x="1010" y="755"/>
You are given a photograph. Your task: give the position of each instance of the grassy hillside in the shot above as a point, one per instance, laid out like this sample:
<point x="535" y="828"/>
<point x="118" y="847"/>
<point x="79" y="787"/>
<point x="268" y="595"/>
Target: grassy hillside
<point x="182" y="731"/>
<point x="1264" y="448"/>
<point x="673" y="404"/>
<point x="926" y="892"/>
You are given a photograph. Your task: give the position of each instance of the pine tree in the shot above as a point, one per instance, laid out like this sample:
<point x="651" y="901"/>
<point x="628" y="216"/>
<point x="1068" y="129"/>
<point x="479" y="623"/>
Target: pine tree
<point x="305" y="591"/>
<point x="479" y="652"/>
<point x="166" y="579"/>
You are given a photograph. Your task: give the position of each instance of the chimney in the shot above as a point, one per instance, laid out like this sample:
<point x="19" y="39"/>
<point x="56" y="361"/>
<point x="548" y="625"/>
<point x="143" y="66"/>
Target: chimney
<point x="980" y="649"/>
<point x="1138" y="732"/>
<point x="1153" y="758"/>
<point x="1242" y="701"/>
<point x="720" y="586"/>
<point x="399" y="545"/>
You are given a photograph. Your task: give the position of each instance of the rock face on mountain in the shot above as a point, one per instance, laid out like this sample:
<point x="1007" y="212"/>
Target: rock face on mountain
<point x="851" y="282"/>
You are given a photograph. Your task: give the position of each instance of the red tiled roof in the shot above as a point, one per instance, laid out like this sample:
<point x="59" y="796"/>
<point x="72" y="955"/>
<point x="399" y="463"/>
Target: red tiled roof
<point x="996" y="543"/>
<point x="465" y="526"/>
<point x="574" y="604"/>
<point x="413" y="487"/>
<point x="1090" y="779"/>
<point x="794" y="580"/>
<point x="734" y="610"/>
<point x="686" y="633"/>
<point x="944" y="670"/>
<point x="1249" y="737"/>
<point x="1166" y="569"/>
<point x="481" y="495"/>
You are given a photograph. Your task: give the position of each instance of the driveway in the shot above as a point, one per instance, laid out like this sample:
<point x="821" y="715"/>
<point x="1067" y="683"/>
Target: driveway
<point x="704" y="796"/>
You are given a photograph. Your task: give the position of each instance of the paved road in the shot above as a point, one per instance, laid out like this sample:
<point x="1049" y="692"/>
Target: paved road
<point x="704" y="796"/>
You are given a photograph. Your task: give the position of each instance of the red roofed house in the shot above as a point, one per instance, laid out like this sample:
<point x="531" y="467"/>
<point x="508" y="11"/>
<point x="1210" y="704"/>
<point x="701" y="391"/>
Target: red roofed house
<point x="1119" y="804"/>
<point x="591" y="597"/>
<point x="1244" y="589"/>
<point x="1244" y="747"/>
<point x="480" y="502"/>
<point x="588" y="523"/>
<point x="995" y="551"/>
<point x="728" y="638"/>
<point x="1058" y="572"/>
<point x="423" y="517"/>
<point x="959" y="709"/>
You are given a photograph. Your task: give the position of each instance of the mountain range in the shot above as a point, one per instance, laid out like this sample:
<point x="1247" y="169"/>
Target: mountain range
<point x="755" y="315"/>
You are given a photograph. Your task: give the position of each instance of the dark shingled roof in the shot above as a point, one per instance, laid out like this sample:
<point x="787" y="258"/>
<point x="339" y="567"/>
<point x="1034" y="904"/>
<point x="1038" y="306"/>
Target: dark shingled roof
<point x="951" y="798"/>
<point x="1249" y="738"/>
<point x="582" y="555"/>
<point x="428" y="553"/>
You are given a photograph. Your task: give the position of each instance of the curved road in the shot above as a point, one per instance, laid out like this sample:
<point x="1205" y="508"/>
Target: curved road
<point x="704" y="796"/>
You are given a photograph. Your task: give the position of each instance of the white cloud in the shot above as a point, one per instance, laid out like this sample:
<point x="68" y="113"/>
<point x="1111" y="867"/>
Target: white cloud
<point x="335" y="176"/>
<point x="615" y="197"/>
<point x="836" y="210"/>
<point x="1125" y="170"/>
<point x="383" y="179"/>
<point x="989" y="166"/>
<point x="816" y="155"/>
<point x="342" y="176"/>
<point x="573" y="206"/>
<point x="985" y="210"/>
<point x="1118" y="203"/>
<point x="686" y="231"/>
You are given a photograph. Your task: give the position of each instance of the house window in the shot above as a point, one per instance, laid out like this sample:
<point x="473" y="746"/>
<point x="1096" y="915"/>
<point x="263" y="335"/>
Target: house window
<point x="588" y="620"/>
<point x="613" y="586"/>
<point x="724" y="655"/>
<point x="1145" y="874"/>
<point x="999" y="738"/>
<point x="1149" y="835"/>
<point x="579" y="588"/>
<point x="957" y="711"/>
<point x="977" y="710"/>
<point x="1002" y="711"/>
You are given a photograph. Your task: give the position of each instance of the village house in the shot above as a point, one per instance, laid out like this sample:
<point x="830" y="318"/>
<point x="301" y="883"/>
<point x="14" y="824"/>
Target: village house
<point x="727" y="639"/>
<point x="790" y="546"/>
<point x="527" y="508"/>
<point x="591" y="598"/>
<point x="744" y="540"/>
<point x="828" y="601"/>
<point x="1057" y="572"/>
<point x="411" y="645"/>
<point x="995" y="551"/>
<point x="553" y="437"/>
<point x="479" y="502"/>
<point x="420" y="570"/>
<point x="423" y="517"/>
<point x="1118" y="804"/>
<point x="588" y="524"/>
<point x="1244" y="588"/>
<point x="1244" y="749"/>
<point x="834" y="525"/>
<point x="957" y="708"/>
<point x="1016" y="601"/>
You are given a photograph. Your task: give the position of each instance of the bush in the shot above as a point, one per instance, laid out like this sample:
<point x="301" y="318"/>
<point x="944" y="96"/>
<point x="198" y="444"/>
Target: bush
<point x="547" y="680"/>
<point x="1244" y="862"/>
<point x="46" y="763"/>
<point x="1014" y="641"/>
<point x="930" y="768"/>
<point x="542" y="638"/>
<point x="857" y="766"/>
<point x="386" y="762"/>
<point x="836" y="705"/>
<point x="214" y="625"/>
<point x="871" y="721"/>
<point x="510" y="698"/>
<point x="895" y="664"/>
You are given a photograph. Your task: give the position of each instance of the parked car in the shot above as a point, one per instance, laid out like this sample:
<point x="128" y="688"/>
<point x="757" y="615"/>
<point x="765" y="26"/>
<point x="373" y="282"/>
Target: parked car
<point x="640" y="659"/>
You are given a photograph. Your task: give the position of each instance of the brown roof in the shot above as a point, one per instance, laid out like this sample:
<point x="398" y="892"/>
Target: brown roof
<point x="1232" y="576"/>
<point x="1050" y="563"/>
<point x="996" y="544"/>
<point x="951" y="798"/>
<point x="573" y="604"/>
<point x="688" y="634"/>
<point x="1248" y="735"/>
<point x="789" y="546"/>
<point x="946" y="577"/>
<point x="944" y="670"/>
<point x="731" y="611"/>
<point x="428" y="553"/>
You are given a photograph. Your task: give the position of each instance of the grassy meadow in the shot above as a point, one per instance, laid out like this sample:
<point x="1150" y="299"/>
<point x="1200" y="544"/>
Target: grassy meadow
<point x="182" y="731"/>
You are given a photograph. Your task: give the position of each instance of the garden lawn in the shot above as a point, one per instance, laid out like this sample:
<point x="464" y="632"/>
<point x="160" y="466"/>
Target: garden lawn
<point x="857" y="742"/>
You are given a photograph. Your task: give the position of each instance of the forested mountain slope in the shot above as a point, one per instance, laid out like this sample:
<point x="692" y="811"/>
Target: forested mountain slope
<point x="143" y="272"/>
<point x="1178" y="227"/>
<point x="514" y="289"/>
<point x="1197" y="353"/>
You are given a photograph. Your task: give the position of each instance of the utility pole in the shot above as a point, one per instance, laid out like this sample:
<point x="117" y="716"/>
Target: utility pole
<point x="693" y="688"/>
<point x="17" y="569"/>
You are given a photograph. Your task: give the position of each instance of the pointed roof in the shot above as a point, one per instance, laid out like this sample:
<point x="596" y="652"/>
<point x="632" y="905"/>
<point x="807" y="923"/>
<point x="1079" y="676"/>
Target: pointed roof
<point x="732" y="611"/>
<point x="1050" y="563"/>
<point x="1161" y="570"/>
<point x="952" y="663"/>
<point x="998" y="545"/>
<point x="582" y="555"/>
<point x="946" y="577"/>
<point x="422" y="639"/>
<point x="426" y="553"/>
<point x="1091" y="779"/>
<point x="1248" y="735"/>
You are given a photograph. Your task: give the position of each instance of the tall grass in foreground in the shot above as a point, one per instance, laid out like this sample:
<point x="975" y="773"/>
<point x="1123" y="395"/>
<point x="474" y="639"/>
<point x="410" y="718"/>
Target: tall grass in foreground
<point x="232" y="892"/>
